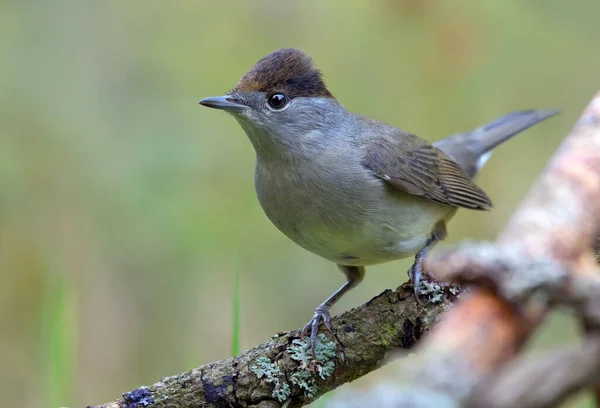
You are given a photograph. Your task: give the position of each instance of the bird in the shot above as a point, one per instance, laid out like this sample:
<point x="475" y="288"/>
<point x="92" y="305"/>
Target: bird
<point x="351" y="189"/>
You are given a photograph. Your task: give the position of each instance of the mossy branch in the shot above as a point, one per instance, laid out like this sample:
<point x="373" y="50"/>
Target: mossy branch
<point x="281" y="373"/>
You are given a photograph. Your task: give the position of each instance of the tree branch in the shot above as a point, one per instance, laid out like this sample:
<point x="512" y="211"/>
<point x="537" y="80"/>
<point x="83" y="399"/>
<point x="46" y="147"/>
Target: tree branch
<point x="541" y="381"/>
<point x="390" y="321"/>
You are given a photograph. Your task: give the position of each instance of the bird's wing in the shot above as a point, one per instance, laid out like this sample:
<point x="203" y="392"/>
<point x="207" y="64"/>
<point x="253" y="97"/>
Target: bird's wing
<point x="411" y="164"/>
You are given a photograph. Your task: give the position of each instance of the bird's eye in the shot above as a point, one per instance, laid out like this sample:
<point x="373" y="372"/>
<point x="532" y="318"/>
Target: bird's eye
<point x="278" y="101"/>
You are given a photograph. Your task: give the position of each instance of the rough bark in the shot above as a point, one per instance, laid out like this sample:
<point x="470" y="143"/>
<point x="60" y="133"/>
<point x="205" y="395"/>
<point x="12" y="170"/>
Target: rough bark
<point x="390" y="321"/>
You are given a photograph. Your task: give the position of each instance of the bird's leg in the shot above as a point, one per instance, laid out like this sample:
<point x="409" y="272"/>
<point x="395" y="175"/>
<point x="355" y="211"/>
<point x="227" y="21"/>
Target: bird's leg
<point x="354" y="275"/>
<point x="416" y="272"/>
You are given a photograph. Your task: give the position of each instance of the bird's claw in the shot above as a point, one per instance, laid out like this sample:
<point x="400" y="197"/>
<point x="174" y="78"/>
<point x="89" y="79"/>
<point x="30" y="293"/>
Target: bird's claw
<point x="321" y="315"/>
<point x="415" y="273"/>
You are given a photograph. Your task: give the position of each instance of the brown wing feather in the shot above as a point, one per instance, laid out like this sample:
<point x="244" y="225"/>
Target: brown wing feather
<point x="417" y="167"/>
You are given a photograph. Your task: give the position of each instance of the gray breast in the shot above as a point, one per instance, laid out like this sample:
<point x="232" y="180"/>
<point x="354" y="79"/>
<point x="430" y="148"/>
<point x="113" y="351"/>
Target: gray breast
<point x="317" y="206"/>
<point x="349" y="217"/>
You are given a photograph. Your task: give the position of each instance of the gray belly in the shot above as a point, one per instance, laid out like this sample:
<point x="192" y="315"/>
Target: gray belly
<point x="351" y="219"/>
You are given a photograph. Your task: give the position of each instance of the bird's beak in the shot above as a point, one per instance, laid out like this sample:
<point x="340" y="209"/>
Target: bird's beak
<point x="226" y="103"/>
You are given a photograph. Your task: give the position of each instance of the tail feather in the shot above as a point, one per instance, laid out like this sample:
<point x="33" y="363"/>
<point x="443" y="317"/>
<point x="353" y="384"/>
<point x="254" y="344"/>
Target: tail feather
<point x="472" y="149"/>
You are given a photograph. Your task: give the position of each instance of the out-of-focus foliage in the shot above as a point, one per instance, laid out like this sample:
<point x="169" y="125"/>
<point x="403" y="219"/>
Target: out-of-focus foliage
<point x="125" y="208"/>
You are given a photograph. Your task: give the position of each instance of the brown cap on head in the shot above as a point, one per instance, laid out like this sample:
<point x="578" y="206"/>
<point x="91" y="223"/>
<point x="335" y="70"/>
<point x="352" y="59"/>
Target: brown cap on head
<point x="289" y="71"/>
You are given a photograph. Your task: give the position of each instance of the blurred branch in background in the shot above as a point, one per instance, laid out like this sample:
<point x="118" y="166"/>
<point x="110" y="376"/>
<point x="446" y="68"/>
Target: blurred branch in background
<point x="281" y="372"/>
<point x="545" y="257"/>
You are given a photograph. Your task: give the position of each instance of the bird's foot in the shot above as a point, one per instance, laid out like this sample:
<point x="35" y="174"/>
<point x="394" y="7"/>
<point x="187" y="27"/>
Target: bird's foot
<point x="429" y="286"/>
<point x="415" y="273"/>
<point x="321" y="316"/>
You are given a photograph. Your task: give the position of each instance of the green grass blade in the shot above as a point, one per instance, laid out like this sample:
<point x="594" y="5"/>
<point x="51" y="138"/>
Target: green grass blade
<point x="58" y="346"/>
<point x="235" y="330"/>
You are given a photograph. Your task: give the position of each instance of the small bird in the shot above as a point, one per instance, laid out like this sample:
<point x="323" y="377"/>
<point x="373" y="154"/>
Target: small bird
<point x="346" y="187"/>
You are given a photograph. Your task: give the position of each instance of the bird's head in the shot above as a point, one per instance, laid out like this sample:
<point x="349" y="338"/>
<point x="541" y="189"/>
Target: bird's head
<point x="281" y="101"/>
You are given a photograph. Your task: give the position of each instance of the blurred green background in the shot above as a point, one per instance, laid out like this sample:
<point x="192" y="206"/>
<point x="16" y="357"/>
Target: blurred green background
<point x="126" y="209"/>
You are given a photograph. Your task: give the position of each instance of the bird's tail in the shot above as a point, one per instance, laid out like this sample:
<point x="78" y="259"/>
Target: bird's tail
<point x="472" y="149"/>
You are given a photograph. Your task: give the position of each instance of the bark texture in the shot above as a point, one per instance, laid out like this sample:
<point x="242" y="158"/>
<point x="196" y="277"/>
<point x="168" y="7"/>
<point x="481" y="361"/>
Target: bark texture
<point x="389" y="322"/>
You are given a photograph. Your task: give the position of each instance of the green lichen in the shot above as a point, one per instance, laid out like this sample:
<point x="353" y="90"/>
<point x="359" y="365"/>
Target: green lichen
<point x="308" y="370"/>
<point x="304" y="380"/>
<point x="326" y="369"/>
<point x="282" y="391"/>
<point x="437" y="292"/>
<point x="300" y="350"/>
<point x="271" y="373"/>
<point x="434" y="291"/>
<point x="323" y="365"/>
